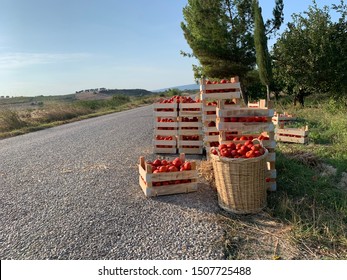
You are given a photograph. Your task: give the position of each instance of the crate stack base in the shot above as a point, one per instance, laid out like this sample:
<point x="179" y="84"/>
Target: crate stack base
<point x="157" y="184"/>
<point x="292" y="135"/>
<point x="165" y="128"/>
<point x="211" y="95"/>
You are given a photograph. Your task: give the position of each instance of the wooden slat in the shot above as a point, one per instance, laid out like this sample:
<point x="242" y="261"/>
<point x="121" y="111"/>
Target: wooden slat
<point x="168" y="190"/>
<point x="299" y="140"/>
<point x="221" y="95"/>
<point x="244" y="112"/>
<point x="244" y="127"/>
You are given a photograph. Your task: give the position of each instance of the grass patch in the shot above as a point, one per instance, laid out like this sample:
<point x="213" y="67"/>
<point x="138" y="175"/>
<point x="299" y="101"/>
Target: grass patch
<point x="311" y="196"/>
<point x="57" y="111"/>
<point x="10" y="120"/>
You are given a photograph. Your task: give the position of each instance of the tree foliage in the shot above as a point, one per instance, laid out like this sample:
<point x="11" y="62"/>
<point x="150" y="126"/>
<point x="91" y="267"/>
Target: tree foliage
<point x="311" y="54"/>
<point x="220" y="35"/>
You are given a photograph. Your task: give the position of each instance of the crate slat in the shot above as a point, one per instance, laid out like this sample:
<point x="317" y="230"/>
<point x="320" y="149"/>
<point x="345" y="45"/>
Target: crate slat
<point x="168" y="190"/>
<point x="172" y="150"/>
<point x="299" y="140"/>
<point x="244" y="127"/>
<point x="191" y="151"/>
<point x="293" y="131"/>
<point x="221" y="95"/>
<point x="244" y="112"/>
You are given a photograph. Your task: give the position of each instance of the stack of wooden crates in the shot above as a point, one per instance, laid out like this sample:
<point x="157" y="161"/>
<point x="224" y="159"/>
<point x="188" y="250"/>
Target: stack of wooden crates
<point x="177" y="127"/>
<point x="232" y="121"/>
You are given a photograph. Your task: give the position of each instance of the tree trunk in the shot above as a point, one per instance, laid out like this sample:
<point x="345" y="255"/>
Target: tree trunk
<point x="244" y="94"/>
<point x="268" y="92"/>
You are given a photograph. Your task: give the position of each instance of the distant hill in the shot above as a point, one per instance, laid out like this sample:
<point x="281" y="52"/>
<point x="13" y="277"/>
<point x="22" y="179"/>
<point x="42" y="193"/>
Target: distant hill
<point x="108" y="93"/>
<point x="184" y="87"/>
<point x="131" y="92"/>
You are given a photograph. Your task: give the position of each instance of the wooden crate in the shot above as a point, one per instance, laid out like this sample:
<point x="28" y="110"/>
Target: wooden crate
<point x="244" y="126"/>
<point x="208" y="112"/>
<point x="282" y="119"/>
<point x="165" y="110"/>
<point x="245" y="112"/>
<point x="190" y="109"/>
<point x="183" y="124"/>
<point x="258" y="104"/>
<point x="147" y="178"/>
<point x="194" y="147"/>
<point x="292" y="135"/>
<point x="165" y="146"/>
<point x="230" y="90"/>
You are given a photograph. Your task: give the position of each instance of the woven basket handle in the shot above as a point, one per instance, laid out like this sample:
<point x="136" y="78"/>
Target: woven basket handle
<point x="255" y="140"/>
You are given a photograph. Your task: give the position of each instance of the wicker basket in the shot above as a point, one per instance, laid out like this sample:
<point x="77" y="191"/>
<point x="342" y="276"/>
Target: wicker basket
<point x="240" y="183"/>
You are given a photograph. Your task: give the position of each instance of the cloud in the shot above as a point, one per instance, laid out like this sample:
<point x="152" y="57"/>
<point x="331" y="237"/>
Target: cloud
<point x="21" y="60"/>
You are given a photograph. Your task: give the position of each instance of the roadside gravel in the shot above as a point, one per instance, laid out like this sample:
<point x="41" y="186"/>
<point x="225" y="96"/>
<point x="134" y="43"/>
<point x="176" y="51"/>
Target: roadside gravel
<point x="72" y="192"/>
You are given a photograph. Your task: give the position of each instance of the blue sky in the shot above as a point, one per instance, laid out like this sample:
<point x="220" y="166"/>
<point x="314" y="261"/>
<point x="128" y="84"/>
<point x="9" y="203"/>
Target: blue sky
<point x="53" y="47"/>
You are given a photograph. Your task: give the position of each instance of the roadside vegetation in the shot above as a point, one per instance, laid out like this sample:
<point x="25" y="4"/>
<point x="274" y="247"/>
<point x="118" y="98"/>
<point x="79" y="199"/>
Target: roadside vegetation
<point x="26" y="114"/>
<point x="312" y="181"/>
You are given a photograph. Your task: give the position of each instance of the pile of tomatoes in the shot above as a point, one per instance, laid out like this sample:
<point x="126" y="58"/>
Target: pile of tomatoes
<point x="188" y="99"/>
<point x="160" y="166"/>
<point x="173" y="99"/>
<point x="246" y="150"/>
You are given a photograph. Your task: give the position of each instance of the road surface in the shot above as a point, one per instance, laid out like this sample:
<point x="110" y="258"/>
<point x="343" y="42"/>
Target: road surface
<point x="72" y="192"/>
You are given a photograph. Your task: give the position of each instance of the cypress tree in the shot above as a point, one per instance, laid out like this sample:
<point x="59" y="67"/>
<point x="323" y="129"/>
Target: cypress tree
<point x="262" y="53"/>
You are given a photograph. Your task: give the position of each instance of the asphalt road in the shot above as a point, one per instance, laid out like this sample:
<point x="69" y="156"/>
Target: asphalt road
<point x="72" y="192"/>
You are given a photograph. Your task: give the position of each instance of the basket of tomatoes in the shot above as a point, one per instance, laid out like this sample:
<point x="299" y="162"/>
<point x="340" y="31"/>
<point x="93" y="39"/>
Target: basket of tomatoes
<point x="240" y="175"/>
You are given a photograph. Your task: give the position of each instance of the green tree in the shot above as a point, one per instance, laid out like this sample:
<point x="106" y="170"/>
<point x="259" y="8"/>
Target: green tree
<point x="262" y="54"/>
<point x="220" y="35"/>
<point x="311" y="54"/>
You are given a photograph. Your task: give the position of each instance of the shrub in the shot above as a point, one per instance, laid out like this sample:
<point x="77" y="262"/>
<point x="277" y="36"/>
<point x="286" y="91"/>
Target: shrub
<point x="10" y="120"/>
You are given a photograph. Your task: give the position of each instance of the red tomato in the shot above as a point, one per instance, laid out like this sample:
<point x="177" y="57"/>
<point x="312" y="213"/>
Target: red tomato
<point x="250" y="154"/>
<point x="177" y="162"/>
<point x="173" y="168"/>
<point x="157" y="162"/>
<point x="231" y="146"/>
<point x="187" y="165"/>
<point x="248" y="143"/>
<point x="222" y="146"/>
<point x="163" y="168"/>
<point x="163" y="162"/>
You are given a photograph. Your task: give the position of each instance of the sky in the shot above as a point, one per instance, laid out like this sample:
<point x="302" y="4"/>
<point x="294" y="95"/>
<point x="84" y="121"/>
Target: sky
<point x="54" y="47"/>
